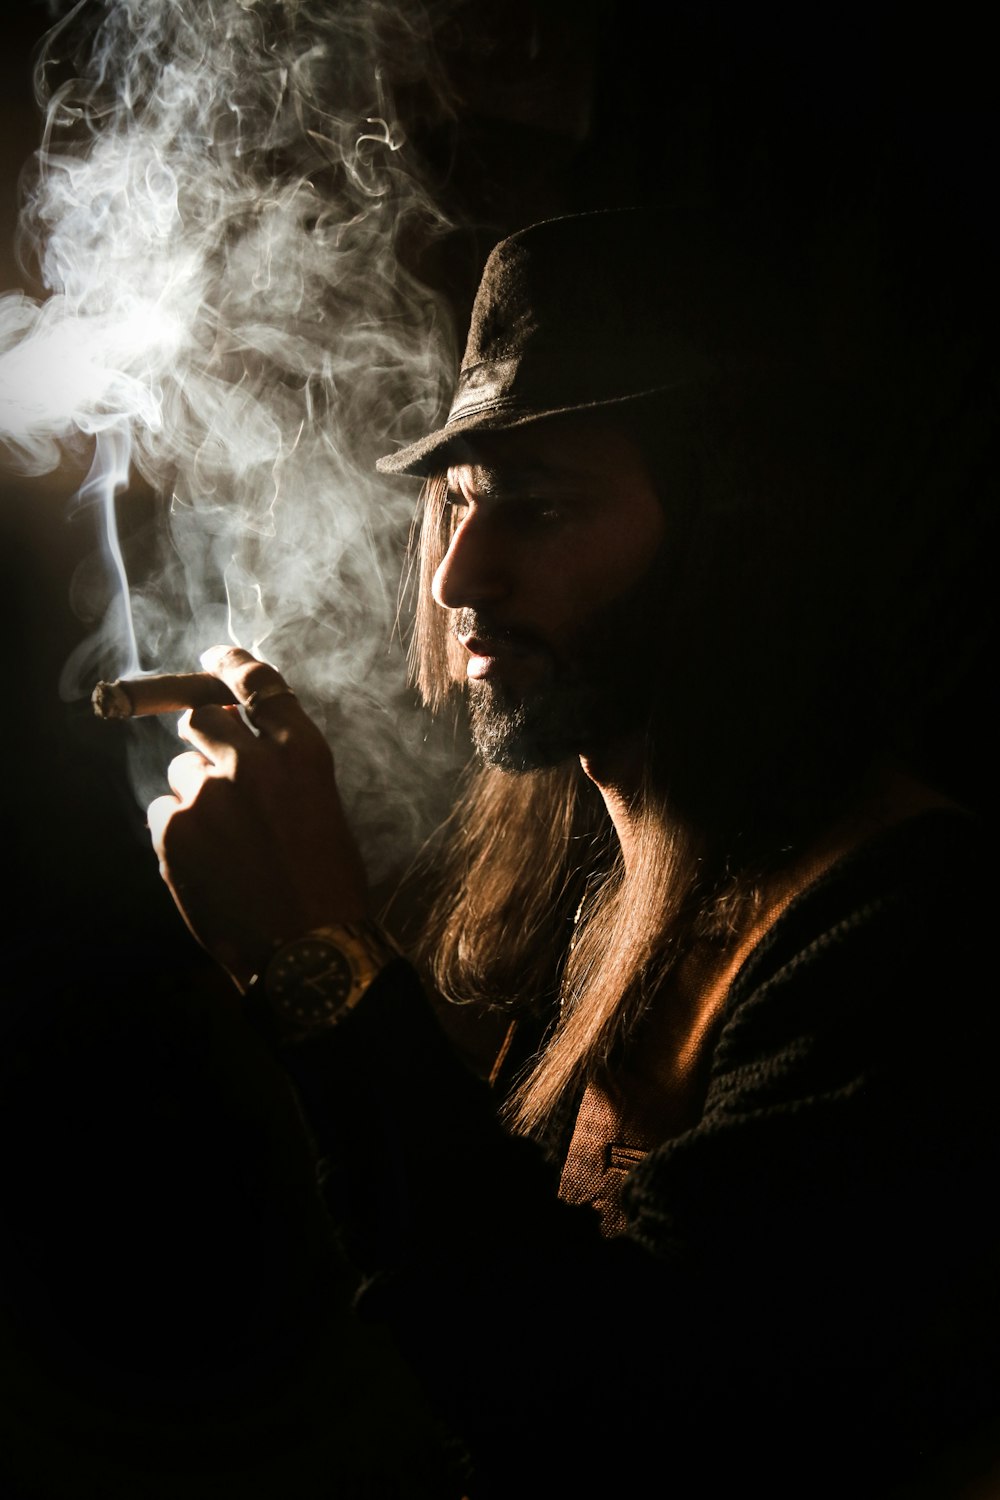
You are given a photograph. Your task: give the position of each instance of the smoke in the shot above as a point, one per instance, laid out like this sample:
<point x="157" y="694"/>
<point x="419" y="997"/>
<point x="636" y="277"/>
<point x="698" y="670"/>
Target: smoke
<point x="224" y="211"/>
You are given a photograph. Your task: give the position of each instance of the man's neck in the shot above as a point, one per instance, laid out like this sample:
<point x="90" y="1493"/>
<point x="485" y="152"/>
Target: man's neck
<point x="618" y="775"/>
<point x="890" y="794"/>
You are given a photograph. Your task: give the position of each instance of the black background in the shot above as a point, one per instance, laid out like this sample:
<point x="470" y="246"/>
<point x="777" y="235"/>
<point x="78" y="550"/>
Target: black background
<point x="169" y="1322"/>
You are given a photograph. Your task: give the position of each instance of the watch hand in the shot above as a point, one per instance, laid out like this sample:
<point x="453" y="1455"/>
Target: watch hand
<point x="316" y="981"/>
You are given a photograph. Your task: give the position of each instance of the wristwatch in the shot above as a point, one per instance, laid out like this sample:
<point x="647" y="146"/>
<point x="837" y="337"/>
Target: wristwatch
<point x="312" y="982"/>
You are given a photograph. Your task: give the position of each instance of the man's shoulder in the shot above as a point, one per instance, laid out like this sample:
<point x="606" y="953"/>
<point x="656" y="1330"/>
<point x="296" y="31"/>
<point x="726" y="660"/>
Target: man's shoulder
<point x="913" y="885"/>
<point x="879" y="963"/>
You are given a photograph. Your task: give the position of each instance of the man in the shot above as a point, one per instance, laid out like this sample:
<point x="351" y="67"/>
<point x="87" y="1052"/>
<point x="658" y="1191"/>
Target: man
<point x="720" y="1212"/>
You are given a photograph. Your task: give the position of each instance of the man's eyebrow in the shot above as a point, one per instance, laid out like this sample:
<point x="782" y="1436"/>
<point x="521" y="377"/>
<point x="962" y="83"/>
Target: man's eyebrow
<point x="512" y="480"/>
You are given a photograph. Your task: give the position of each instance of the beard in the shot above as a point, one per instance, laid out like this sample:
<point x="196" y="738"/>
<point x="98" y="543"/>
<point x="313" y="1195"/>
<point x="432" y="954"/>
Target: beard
<point x="534" y="730"/>
<point x="599" y="693"/>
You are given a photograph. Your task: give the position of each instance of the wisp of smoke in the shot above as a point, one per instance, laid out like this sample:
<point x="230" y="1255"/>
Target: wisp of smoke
<point x="219" y="211"/>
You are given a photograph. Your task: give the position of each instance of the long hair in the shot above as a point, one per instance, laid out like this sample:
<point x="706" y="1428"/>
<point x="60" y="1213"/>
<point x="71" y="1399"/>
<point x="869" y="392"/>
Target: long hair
<point x="786" y="667"/>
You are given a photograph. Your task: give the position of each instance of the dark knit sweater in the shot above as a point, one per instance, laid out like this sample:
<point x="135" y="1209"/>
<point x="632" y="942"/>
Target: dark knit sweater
<point x="805" y="1301"/>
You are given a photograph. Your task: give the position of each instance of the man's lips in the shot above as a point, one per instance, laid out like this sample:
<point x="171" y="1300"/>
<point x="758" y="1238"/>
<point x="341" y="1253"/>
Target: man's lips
<point x="488" y="653"/>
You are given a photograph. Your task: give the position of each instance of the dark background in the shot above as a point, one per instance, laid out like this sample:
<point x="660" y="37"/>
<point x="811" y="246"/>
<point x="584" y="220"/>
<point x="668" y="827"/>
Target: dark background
<point x="171" y="1322"/>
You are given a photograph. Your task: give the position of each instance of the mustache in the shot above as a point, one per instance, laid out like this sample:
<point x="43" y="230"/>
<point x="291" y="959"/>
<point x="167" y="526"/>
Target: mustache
<point x="471" y="622"/>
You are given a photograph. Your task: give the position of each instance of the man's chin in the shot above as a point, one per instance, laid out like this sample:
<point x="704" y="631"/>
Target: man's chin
<point x="529" y="735"/>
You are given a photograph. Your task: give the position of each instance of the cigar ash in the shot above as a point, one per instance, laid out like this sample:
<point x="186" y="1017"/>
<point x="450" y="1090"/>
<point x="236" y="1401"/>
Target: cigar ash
<point x="111" y="700"/>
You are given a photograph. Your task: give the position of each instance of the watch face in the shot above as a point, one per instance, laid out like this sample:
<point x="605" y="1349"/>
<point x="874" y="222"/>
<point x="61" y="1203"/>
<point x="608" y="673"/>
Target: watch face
<point x="311" y="980"/>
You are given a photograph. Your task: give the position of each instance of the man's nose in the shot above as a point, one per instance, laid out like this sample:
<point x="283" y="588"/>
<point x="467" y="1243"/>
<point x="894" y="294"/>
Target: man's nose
<point x="475" y="569"/>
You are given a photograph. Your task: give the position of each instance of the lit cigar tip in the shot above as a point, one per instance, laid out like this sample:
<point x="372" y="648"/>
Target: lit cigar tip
<point x="110" y="700"/>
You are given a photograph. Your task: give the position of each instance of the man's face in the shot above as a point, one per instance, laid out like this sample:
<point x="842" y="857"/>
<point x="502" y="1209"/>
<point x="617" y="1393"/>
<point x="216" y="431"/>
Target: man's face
<point x="551" y="578"/>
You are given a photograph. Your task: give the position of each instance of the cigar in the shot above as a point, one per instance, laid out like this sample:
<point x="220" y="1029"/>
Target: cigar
<point x="159" y="693"/>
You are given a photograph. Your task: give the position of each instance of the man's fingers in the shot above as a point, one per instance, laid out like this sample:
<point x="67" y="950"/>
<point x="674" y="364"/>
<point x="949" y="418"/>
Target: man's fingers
<point x="242" y="673"/>
<point x="268" y="701"/>
<point x="158" y="814"/>
<point x="186" y="774"/>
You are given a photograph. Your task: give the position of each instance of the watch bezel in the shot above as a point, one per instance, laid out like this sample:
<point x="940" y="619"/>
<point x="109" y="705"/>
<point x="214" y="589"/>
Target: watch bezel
<point x="300" y="1008"/>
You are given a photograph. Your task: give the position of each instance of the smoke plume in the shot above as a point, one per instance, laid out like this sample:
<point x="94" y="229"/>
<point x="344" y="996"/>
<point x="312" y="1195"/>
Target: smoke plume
<point x="222" y="213"/>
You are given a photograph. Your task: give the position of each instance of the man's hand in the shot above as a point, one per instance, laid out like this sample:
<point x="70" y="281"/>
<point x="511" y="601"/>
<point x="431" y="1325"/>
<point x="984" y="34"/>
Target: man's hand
<point x="252" y="840"/>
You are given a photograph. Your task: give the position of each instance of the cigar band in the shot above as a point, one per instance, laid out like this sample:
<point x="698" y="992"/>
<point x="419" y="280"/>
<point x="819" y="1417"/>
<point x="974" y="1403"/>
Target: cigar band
<point x="312" y="982"/>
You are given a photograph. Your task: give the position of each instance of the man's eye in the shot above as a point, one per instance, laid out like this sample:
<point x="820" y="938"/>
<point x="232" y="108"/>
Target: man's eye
<point x="541" y="511"/>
